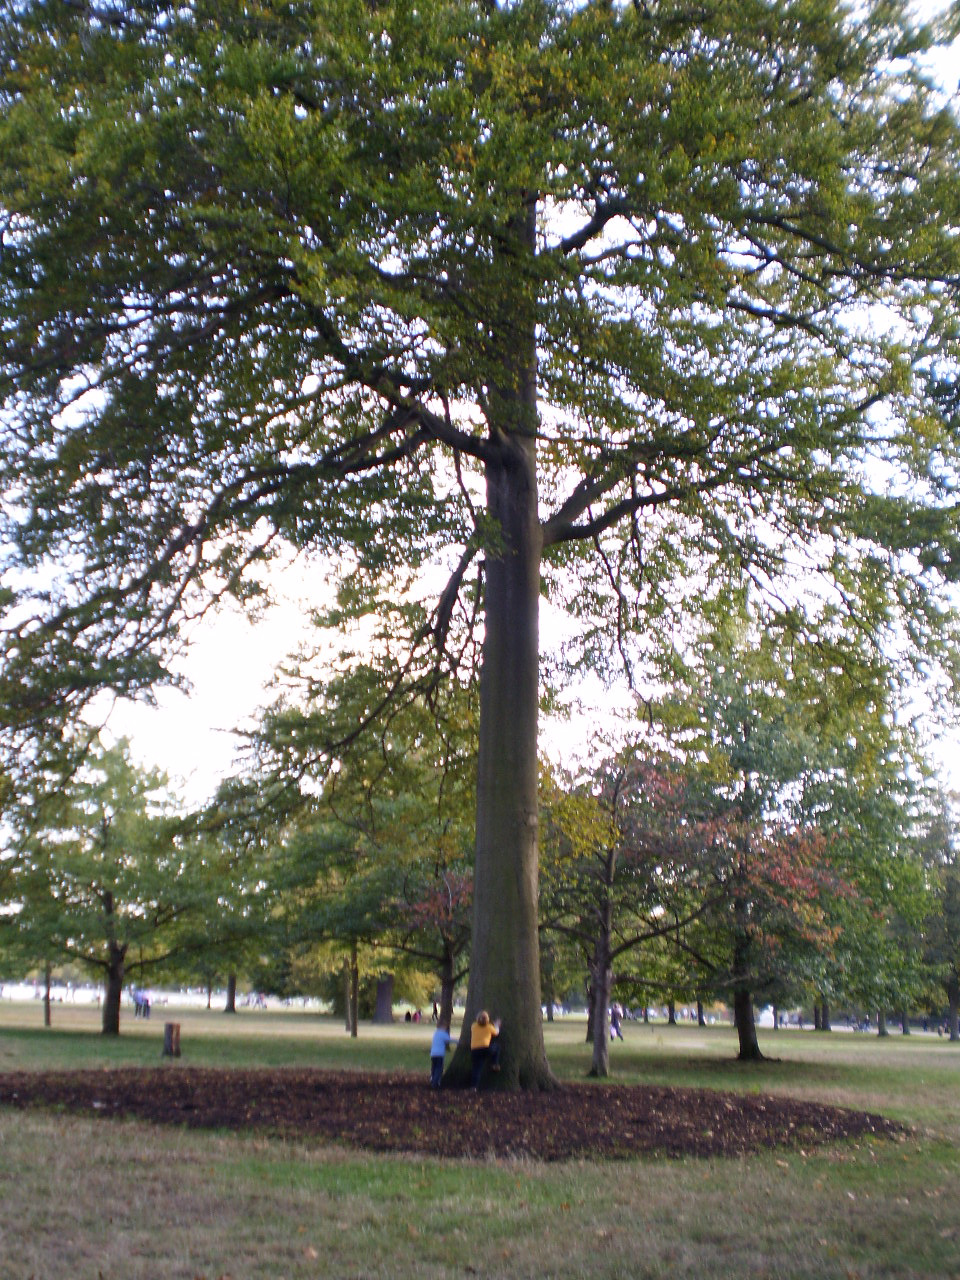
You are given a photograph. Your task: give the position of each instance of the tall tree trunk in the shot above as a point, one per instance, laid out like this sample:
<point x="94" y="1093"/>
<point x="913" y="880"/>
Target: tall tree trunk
<point x="209" y="993"/>
<point x="953" y="995"/>
<point x="353" y="995"/>
<point x="505" y="958"/>
<point x="445" y="1016"/>
<point x="745" y="1022"/>
<point x="744" y="1018"/>
<point x="701" y="1020"/>
<point x="601" y="978"/>
<point x="383" y="1008"/>
<point x="904" y="1021"/>
<point x="671" y="1013"/>
<point x="882" y="1028"/>
<point x="546" y="972"/>
<point x="825" y="1024"/>
<point x="110" y="1022"/>
<point x="231" y="1005"/>
<point x="600" y="1063"/>
<point x="816" y="1018"/>
<point x="48" y="979"/>
<point x="116" y="963"/>
<point x="346" y="996"/>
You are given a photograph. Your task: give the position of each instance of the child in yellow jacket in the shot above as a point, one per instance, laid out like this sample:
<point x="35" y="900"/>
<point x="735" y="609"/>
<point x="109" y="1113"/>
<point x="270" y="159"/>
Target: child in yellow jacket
<point x="484" y="1046"/>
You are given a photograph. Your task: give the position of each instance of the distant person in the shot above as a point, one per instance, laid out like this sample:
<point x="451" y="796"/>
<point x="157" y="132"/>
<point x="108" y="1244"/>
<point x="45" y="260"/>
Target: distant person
<point x="484" y="1046"/>
<point x="438" y="1047"/>
<point x="435" y="1016"/>
<point x="616" y="1017"/>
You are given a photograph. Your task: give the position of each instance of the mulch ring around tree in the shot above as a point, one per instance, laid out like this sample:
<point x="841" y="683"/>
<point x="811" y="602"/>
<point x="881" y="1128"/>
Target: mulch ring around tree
<point x="401" y="1113"/>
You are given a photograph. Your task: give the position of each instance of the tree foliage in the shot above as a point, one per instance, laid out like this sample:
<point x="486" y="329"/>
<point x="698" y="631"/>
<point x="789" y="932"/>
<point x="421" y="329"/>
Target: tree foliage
<point x="104" y="874"/>
<point x="378" y="838"/>
<point x="942" y="929"/>
<point x="800" y="761"/>
<point x="624" y="866"/>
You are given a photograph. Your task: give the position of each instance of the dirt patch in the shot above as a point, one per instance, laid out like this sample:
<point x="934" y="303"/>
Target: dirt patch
<point x="398" y="1112"/>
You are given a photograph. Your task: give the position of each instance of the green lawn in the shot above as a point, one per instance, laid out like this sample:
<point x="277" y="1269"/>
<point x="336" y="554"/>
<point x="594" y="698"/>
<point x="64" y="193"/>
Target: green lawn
<point x="82" y="1199"/>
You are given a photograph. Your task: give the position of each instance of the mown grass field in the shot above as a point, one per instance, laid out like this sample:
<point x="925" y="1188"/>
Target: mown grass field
<point x="85" y="1199"/>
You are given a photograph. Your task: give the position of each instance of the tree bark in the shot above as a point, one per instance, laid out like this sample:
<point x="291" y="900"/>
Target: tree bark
<point x="231" y="1005"/>
<point x="953" y="995"/>
<point x="505" y="956"/>
<point x="383" y="1009"/>
<point x="546" y="968"/>
<point x="110" y="1023"/>
<point x="671" y="1013"/>
<point x="744" y="1018"/>
<point x="600" y="982"/>
<point x="600" y="1061"/>
<point x="48" y="979"/>
<point x="882" y="1029"/>
<point x="745" y="1022"/>
<point x="701" y="1020"/>
<point x="353" y="995"/>
<point x="904" y="1022"/>
<point x="116" y="964"/>
<point x="445" y="1016"/>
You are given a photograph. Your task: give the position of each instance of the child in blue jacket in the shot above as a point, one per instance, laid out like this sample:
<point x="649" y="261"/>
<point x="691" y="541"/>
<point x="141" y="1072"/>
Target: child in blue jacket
<point x="438" y="1047"/>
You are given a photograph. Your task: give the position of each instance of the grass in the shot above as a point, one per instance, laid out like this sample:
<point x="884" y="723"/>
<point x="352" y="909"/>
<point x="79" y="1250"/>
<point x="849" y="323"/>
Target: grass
<point x="80" y="1199"/>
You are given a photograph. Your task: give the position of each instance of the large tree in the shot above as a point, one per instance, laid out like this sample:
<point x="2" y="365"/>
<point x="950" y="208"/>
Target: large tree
<point x="624" y="867"/>
<point x="553" y="295"/>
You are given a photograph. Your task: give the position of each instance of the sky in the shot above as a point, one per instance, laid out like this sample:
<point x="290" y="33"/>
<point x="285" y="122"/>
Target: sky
<point x="231" y="662"/>
<point x="191" y="736"/>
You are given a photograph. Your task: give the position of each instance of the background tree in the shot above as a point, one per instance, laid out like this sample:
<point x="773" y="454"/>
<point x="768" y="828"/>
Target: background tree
<point x="792" y="750"/>
<point x="103" y="872"/>
<point x="239" y="878"/>
<point x="943" y="923"/>
<point x="621" y="870"/>
<point x="870" y="815"/>
<point x="547" y="296"/>
<point x="387" y="827"/>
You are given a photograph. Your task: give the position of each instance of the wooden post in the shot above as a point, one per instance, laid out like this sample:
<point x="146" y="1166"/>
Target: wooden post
<point x="171" y="1039"/>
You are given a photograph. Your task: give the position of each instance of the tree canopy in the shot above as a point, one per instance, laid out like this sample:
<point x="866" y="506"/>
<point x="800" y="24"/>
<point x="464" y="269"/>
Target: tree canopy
<point x="103" y="873"/>
<point x="547" y="296"/>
